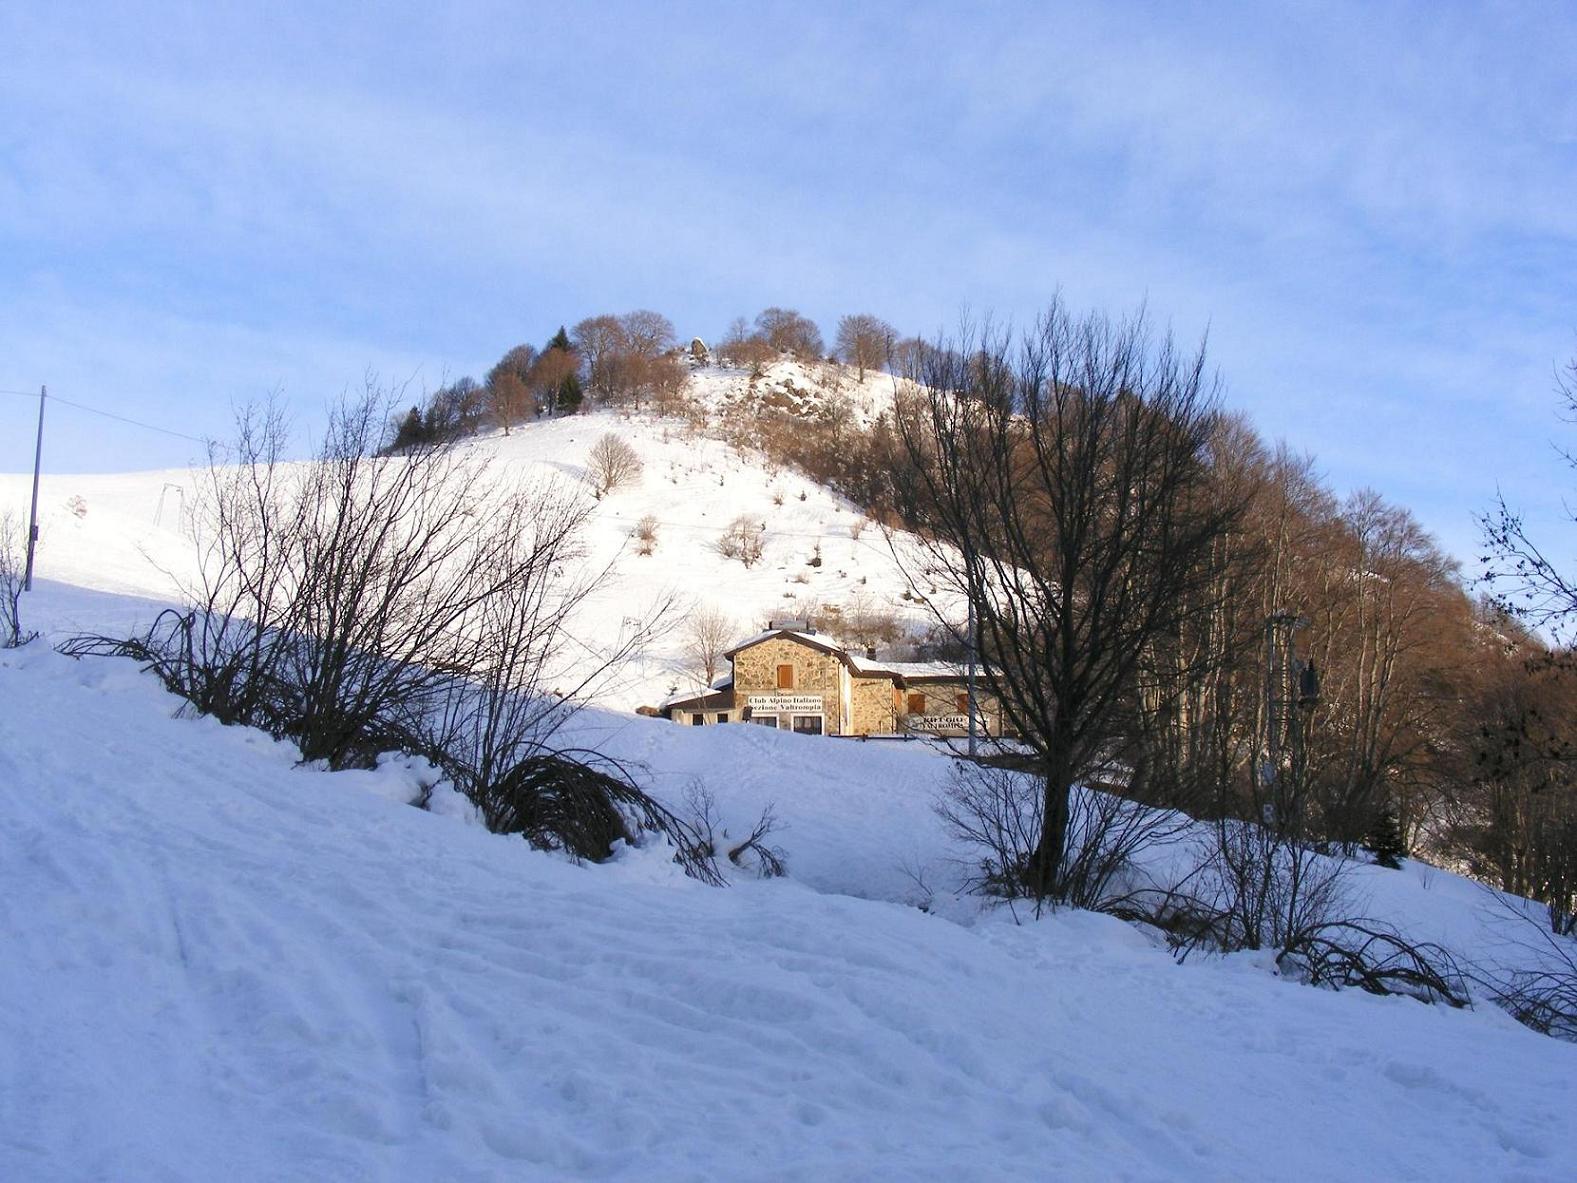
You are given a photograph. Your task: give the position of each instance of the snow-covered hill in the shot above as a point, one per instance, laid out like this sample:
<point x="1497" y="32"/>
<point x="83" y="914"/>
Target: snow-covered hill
<point x="219" y="965"/>
<point x="123" y="532"/>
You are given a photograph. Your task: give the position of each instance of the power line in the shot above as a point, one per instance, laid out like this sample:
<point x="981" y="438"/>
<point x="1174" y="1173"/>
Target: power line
<point x="123" y="419"/>
<point x="66" y="402"/>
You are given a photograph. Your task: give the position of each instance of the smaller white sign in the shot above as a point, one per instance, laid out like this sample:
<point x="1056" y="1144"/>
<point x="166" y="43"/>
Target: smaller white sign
<point x="939" y="723"/>
<point x="785" y="704"/>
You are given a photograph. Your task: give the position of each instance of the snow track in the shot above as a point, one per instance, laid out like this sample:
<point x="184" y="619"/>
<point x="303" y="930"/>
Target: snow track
<point x="217" y="965"/>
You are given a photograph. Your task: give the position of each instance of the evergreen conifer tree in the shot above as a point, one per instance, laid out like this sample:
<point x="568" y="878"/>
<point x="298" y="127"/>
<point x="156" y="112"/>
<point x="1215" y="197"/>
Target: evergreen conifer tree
<point x="570" y="394"/>
<point x="1385" y="839"/>
<point x="411" y="431"/>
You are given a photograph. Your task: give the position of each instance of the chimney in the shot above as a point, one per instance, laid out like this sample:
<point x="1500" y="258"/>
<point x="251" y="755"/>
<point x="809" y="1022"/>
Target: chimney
<point x="870" y="653"/>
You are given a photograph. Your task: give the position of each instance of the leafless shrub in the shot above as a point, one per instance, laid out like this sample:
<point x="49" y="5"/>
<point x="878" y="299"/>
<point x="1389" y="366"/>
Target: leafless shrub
<point x="612" y="464"/>
<point x="13" y="567"/>
<point x="996" y="811"/>
<point x="1261" y="889"/>
<point x="1257" y="888"/>
<point x="745" y="540"/>
<point x="334" y="601"/>
<point x="1374" y="958"/>
<point x="365" y="603"/>
<point x="584" y="805"/>
<point x="857" y="528"/>
<point x="646" y="535"/>
<point x="750" y="852"/>
<point x="1543" y="995"/>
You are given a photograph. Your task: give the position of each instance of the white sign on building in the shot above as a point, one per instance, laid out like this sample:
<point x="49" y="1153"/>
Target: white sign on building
<point x="785" y="704"/>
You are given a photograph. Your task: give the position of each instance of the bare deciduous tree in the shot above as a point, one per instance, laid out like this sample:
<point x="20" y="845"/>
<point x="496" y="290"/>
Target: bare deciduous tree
<point x="510" y="398"/>
<point x="1060" y="484"/>
<point x="548" y="375"/>
<point x="647" y="333"/>
<point x="1531" y="586"/>
<point x="612" y="464"/>
<point x="744" y="347"/>
<point x="517" y="361"/>
<point x="865" y="342"/>
<point x="708" y="633"/>
<point x="787" y="331"/>
<point x="600" y="341"/>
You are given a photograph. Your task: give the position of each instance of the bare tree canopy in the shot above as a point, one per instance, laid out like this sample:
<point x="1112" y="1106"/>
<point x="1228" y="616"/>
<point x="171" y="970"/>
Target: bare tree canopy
<point x="518" y="361"/>
<point x="600" y="341"/>
<point x="708" y="632"/>
<point x="549" y="374"/>
<point x="626" y="356"/>
<point x="510" y="397"/>
<point x="1061" y="483"/>
<point x="787" y="331"/>
<point x="612" y="464"/>
<point x="865" y="342"/>
<point x="647" y="333"/>
<point x="743" y="346"/>
<point x="1529" y="585"/>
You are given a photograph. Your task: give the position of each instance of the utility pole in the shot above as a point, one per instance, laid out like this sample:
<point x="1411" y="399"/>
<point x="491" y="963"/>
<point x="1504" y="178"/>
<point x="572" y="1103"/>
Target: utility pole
<point x="32" y="516"/>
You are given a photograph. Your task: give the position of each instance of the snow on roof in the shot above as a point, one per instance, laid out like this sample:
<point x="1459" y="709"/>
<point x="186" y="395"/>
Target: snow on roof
<point x="719" y="685"/>
<point x="907" y="669"/>
<point x="814" y="640"/>
<point x="870" y="667"/>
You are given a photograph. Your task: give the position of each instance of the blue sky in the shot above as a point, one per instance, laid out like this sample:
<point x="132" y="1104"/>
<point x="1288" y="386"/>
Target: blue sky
<point x="1373" y="209"/>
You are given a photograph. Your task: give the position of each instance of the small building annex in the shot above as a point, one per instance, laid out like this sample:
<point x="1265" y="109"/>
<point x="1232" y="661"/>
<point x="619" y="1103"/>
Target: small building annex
<point x="793" y="678"/>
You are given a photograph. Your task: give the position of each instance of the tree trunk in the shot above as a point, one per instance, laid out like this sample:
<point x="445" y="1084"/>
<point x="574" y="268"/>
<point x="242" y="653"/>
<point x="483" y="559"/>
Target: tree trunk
<point x="1046" y="863"/>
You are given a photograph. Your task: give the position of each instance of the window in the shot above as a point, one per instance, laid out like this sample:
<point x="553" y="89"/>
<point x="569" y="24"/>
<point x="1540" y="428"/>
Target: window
<point x="807" y="724"/>
<point x="917" y="704"/>
<point x="785" y="677"/>
<point x="963" y="704"/>
<point x="722" y="716"/>
<point x="697" y="720"/>
<point x="765" y="720"/>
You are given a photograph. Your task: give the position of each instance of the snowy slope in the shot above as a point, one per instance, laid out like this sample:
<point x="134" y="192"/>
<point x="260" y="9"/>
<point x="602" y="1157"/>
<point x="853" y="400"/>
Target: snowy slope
<point x="122" y="532"/>
<point x="218" y="964"/>
<point x="221" y="966"/>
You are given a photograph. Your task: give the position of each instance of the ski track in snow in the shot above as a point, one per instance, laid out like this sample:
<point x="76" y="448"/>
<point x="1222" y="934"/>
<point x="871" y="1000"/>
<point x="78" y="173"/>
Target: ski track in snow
<point x="220" y="965"/>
